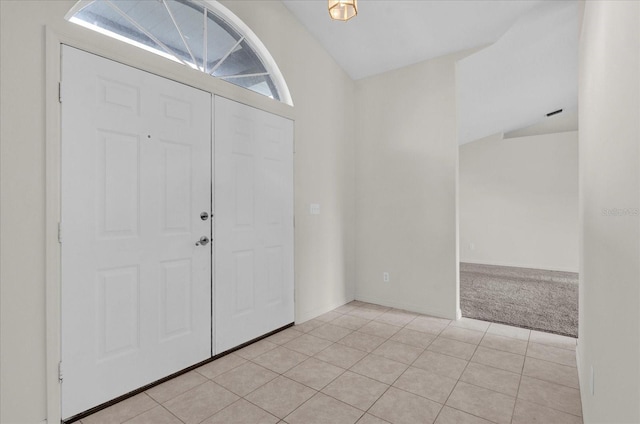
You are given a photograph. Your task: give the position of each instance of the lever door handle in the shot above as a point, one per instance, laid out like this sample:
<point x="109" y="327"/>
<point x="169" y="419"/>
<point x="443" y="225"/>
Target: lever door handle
<point x="204" y="240"/>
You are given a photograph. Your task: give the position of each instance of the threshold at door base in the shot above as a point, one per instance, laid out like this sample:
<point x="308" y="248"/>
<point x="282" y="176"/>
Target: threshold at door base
<point x="112" y="402"/>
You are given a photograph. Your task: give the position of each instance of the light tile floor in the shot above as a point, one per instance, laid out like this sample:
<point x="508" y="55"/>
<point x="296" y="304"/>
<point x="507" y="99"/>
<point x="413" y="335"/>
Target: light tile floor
<point x="371" y="364"/>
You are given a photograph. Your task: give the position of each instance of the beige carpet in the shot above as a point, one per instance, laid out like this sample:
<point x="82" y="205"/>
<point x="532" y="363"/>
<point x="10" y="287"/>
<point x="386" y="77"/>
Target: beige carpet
<point x="528" y="298"/>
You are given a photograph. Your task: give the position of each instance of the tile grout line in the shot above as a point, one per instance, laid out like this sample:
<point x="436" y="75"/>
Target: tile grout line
<point x="426" y="348"/>
<point x="475" y="385"/>
<point x="192" y="388"/>
<point x="371" y="353"/>
<point x="398" y="328"/>
<point x="345" y="370"/>
<point x="549" y="382"/>
<point x="546" y="405"/>
<point x="312" y="388"/>
<point x="409" y="365"/>
<point x="216" y="413"/>
<point x="135" y="416"/>
<point x="281" y="375"/>
<point x="520" y="381"/>
<point x="397" y="378"/>
<point x="459" y="377"/>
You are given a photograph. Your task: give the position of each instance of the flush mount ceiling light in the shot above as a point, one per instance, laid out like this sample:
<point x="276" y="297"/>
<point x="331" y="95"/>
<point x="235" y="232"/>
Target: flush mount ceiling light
<point x="343" y="10"/>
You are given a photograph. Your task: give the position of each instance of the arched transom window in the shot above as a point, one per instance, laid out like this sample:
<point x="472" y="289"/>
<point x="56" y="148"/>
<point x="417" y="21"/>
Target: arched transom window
<point x="201" y="34"/>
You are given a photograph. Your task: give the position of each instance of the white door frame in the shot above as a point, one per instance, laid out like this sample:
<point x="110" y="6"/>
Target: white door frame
<point x="81" y="38"/>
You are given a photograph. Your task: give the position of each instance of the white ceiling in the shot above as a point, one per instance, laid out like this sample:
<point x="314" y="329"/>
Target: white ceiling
<point x="391" y="34"/>
<point x="528" y="69"/>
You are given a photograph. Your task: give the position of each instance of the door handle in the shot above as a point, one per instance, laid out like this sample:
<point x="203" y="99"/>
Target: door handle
<point x="204" y="240"/>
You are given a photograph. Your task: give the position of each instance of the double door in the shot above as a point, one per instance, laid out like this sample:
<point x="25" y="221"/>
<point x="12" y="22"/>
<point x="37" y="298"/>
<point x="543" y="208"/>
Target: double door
<point x="176" y="231"/>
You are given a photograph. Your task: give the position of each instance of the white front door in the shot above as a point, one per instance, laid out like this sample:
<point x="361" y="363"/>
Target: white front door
<point x="136" y="175"/>
<point x="253" y="234"/>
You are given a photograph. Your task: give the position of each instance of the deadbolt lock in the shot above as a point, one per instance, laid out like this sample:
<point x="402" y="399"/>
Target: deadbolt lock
<point x="204" y="216"/>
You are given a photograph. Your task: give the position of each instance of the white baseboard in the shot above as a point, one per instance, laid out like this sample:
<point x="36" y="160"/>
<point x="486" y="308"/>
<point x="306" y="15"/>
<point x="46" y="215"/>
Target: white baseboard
<point x="307" y="315"/>
<point x="578" y="363"/>
<point x="421" y="309"/>
<point x="514" y="265"/>
<point x="585" y="390"/>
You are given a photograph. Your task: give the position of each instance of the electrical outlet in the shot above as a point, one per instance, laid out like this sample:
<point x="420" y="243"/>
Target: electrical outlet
<point x="472" y="246"/>
<point x="314" y="209"/>
<point x="385" y="277"/>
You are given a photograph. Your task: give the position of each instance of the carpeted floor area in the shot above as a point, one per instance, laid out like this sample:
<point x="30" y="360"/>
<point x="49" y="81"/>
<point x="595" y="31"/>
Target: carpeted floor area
<point x="528" y="298"/>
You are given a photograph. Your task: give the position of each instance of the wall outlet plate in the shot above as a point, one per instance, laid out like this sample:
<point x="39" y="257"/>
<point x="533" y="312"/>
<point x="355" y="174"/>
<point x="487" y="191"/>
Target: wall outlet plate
<point x="385" y="277"/>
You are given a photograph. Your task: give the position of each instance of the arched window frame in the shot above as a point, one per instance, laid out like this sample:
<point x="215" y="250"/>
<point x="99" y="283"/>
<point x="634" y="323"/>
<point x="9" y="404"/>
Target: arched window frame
<point x="232" y="20"/>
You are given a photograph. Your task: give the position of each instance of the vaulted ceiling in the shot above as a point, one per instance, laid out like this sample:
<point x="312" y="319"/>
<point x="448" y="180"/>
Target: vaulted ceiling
<point x="525" y="66"/>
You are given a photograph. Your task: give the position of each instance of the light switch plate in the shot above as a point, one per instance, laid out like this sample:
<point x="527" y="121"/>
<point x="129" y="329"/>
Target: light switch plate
<point x="314" y="209"/>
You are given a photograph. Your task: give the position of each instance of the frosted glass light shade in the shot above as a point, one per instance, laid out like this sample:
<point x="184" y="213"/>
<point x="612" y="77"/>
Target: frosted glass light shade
<point x="343" y="10"/>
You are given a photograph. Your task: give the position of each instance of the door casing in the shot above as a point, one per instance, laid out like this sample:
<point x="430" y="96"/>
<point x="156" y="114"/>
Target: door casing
<point x="57" y="35"/>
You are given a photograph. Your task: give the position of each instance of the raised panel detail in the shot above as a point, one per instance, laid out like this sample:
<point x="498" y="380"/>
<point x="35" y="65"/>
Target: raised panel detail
<point x="273" y="146"/>
<point x="118" y="312"/>
<point x="124" y="97"/>
<point x="176" y="188"/>
<point x="275" y="273"/>
<point x="177" y="110"/>
<point x="274" y="195"/>
<point x="118" y="189"/>
<point x="244" y="190"/>
<point x="176" y="298"/>
<point x="242" y="138"/>
<point x="244" y="281"/>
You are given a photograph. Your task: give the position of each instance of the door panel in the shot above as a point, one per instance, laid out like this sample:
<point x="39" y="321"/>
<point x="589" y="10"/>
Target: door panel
<point x="118" y="169"/>
<point x="136" y="173"/>
<point x="253" y="223"/>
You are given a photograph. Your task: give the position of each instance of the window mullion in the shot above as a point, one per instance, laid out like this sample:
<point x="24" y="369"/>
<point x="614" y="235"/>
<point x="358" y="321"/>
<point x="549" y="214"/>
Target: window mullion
<point x="145" y="32"/>
<point x="226" y="55"/>
<point x="173" y="19"/>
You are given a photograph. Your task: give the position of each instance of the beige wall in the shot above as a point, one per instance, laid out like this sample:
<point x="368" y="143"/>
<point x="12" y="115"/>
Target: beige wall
<point x="405" y="187"/>
<point x="519" y="201"/>
<point x="22" y="214"/>
<point x="325" y="149"/>
<point x="609" y="333"/>
<point x="402" y="187"/>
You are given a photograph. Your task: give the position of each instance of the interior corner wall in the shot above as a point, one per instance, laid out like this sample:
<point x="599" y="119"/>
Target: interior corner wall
<point x="519" y="201"/>
<point x="609" y="104"/>
<point x="325" y="148"/>
<point x="406" y="170"/>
